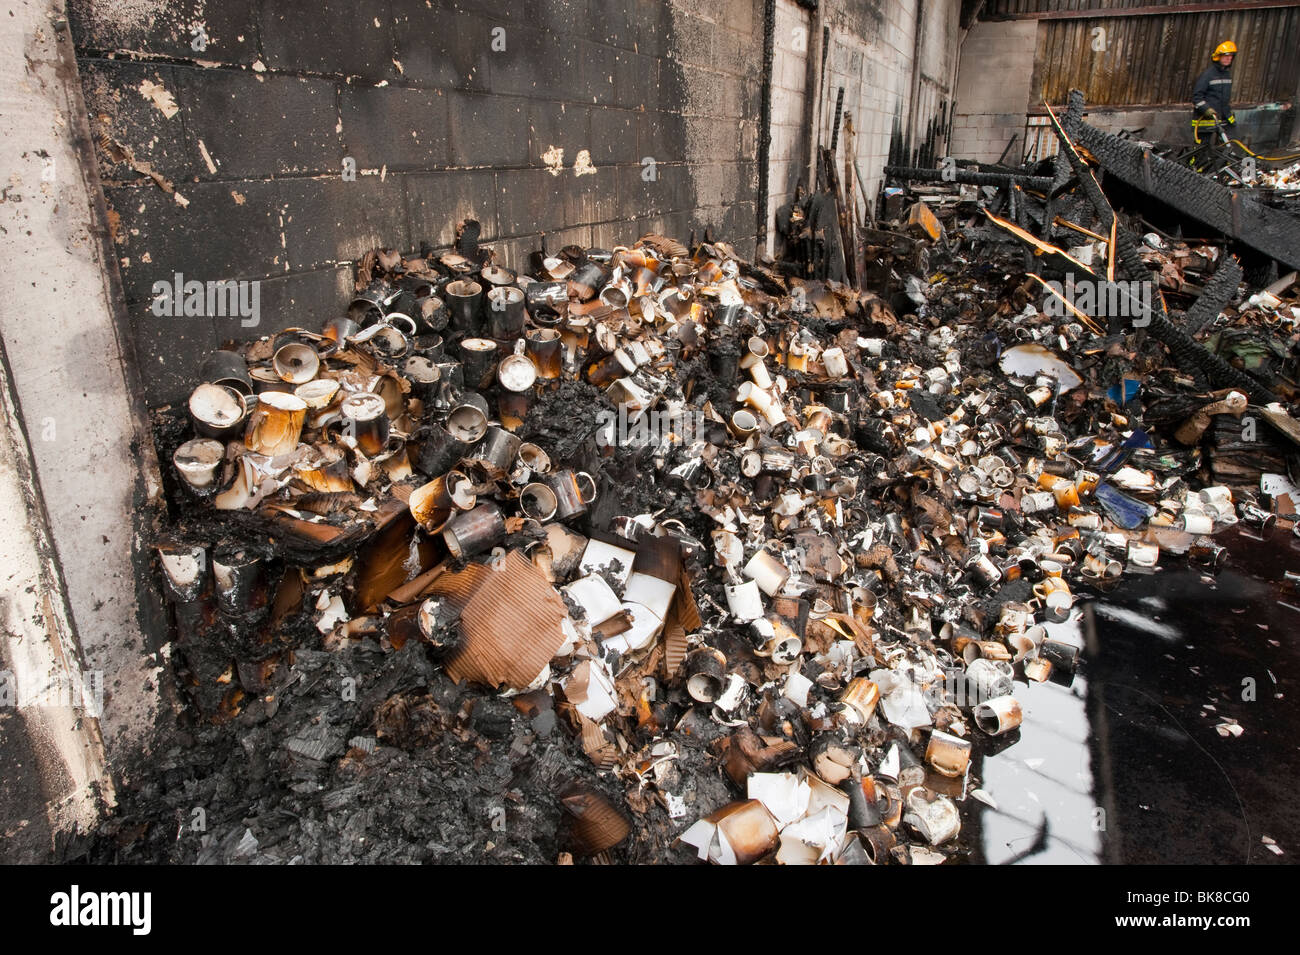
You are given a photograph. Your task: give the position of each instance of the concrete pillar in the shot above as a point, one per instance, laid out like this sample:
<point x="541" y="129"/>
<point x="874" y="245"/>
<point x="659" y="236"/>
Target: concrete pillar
<point x="79" y="483"/>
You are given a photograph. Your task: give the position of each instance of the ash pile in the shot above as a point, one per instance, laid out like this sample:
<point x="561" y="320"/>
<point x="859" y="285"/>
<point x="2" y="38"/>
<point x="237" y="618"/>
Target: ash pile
<point x="657" y="554"/>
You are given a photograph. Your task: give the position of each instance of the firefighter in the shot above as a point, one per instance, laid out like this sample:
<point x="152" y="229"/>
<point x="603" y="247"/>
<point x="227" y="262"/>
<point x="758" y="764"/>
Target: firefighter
<point x="1212" y="94"/>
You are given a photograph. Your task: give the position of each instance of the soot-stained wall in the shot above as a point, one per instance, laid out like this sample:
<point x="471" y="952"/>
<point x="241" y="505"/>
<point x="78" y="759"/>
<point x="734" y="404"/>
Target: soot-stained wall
<point x="224" y="126"/>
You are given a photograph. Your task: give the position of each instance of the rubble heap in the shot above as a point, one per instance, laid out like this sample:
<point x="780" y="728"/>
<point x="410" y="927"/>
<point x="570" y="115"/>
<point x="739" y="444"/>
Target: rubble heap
<point x="675" y="553"/>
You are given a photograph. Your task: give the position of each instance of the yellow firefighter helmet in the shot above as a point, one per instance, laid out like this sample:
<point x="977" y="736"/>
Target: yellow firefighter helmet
<point x="1227" y="46"/>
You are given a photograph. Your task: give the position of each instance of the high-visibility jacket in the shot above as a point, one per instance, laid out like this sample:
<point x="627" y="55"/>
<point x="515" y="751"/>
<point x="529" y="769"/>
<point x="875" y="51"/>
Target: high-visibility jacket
<point x="1213" y="90"/>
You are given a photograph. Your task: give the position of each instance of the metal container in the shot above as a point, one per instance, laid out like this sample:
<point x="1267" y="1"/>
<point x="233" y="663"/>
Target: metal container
<point x="217" y="411"/>
<point x="433" y="315"/>
<point x="861" y="696"/>
<point x="495" y="452"/>
<point x="505" y="311"/>
<point x="516" y="373"/>
<point x="587" y="280"/>
<point x="336" y="333"/>
<point x="948" y="754"/>
<point x="544" y="299"/>
<point x="365" y="421"/>
<point x="451" y="384"/>
<point x="478" y="357"/>
<point x="617" y="294"/>
<point x="432" y="504"/>
<point x="775" y="639"/>
<point x="464" y="301"/>
<point x="534" y="458"/>
<point x="706" y="674"/>
<point x="496" y="276"/>
<point x="933" y="815"/>
<point x="999" y="715"/>
<point x="743" y="424"/>
<point x="370" y="305"/>
<point x="467" y="422"/>
<point x="744" y="600"/>
<point x="390" y="339"/>
<point x="472" y="532"/>
<point x="296" y="363"/>
<point x="538" y="501"/>
<point x="239" y="575"/>
<point x="198" y="461"/>
<point x="983" y="571"/>
<point x="441" y="451"/>
<point x="835" y="364"/>
<point x="573" y="492"/>
<point x="184" y="569"/>
<point x="545" y="349"/>
<point x="985" y="679"/>
<point x="276" y="424"/>
<point x="325" y="469"/>
<point x="422" y="371"/>
<point x="227" y="368"/>
<point x="768" y="572"/>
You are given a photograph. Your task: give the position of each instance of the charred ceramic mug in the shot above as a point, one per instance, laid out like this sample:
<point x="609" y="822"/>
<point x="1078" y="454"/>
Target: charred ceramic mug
<point x="545" y="348"/>
<point x="573" y="492"/>
<point x="296" y="363"/>
<point x="276" y="424"/>
<point x="472" y="532"/>
<point x="227" y="368"/>
<point x="365" y="421"/>
<point x="217" y="411"/>
<point x="478" y="356"/>
<point x="464" y="300"/>
<point x="538" y="501"/>
<point x="505" y="311"/>
<point x="197" y="462"/>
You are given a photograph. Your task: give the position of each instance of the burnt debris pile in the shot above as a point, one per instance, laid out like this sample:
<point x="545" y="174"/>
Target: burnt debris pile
<point x="656" y="553"/>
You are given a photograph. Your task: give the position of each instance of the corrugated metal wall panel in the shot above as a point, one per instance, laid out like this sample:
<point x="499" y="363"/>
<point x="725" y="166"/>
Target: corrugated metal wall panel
<point x="1154" y="60"/>
<point x="996" y="9"/>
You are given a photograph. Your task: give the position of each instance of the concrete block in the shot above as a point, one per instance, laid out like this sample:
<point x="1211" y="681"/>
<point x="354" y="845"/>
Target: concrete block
<point x="565" y="126"/>
<point x="230" y="30"/>
<point x="438" y="45"/>
<point x="650" y="24"/>
<point x="334" y="37"/>
<point x="537" y="64"/>
<point x="735" y="53"/>
<point x="694" y="41"/>
<point x="592" y="198"/>
<point x="613" y="137"/>
<point x="254" y="127"/>
<point x="395" y="127"/>
<point x="302" y="299"/>
<point x="328" y="221"/>
<point x="228" y="231"/>
<point x="119" y="111"/>
<point x="531" y="200"/>
<point x="436" y="201"/>
<point x="488" y="130"/>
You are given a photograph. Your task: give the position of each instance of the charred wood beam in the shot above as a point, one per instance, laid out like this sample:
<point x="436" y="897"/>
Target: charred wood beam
<point x="1216" y="295"/>
<point x="968" y="178"/>
<point x="1189" y="355"/>
<point x="1230" y="211"/>
<point x="765" y="120"/>
<point x="1146" y="10"/>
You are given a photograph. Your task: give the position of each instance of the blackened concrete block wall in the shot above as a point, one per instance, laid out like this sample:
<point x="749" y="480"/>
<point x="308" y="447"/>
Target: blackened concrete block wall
<point x="877" y="50"/>
<point x="224" y="127"/>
